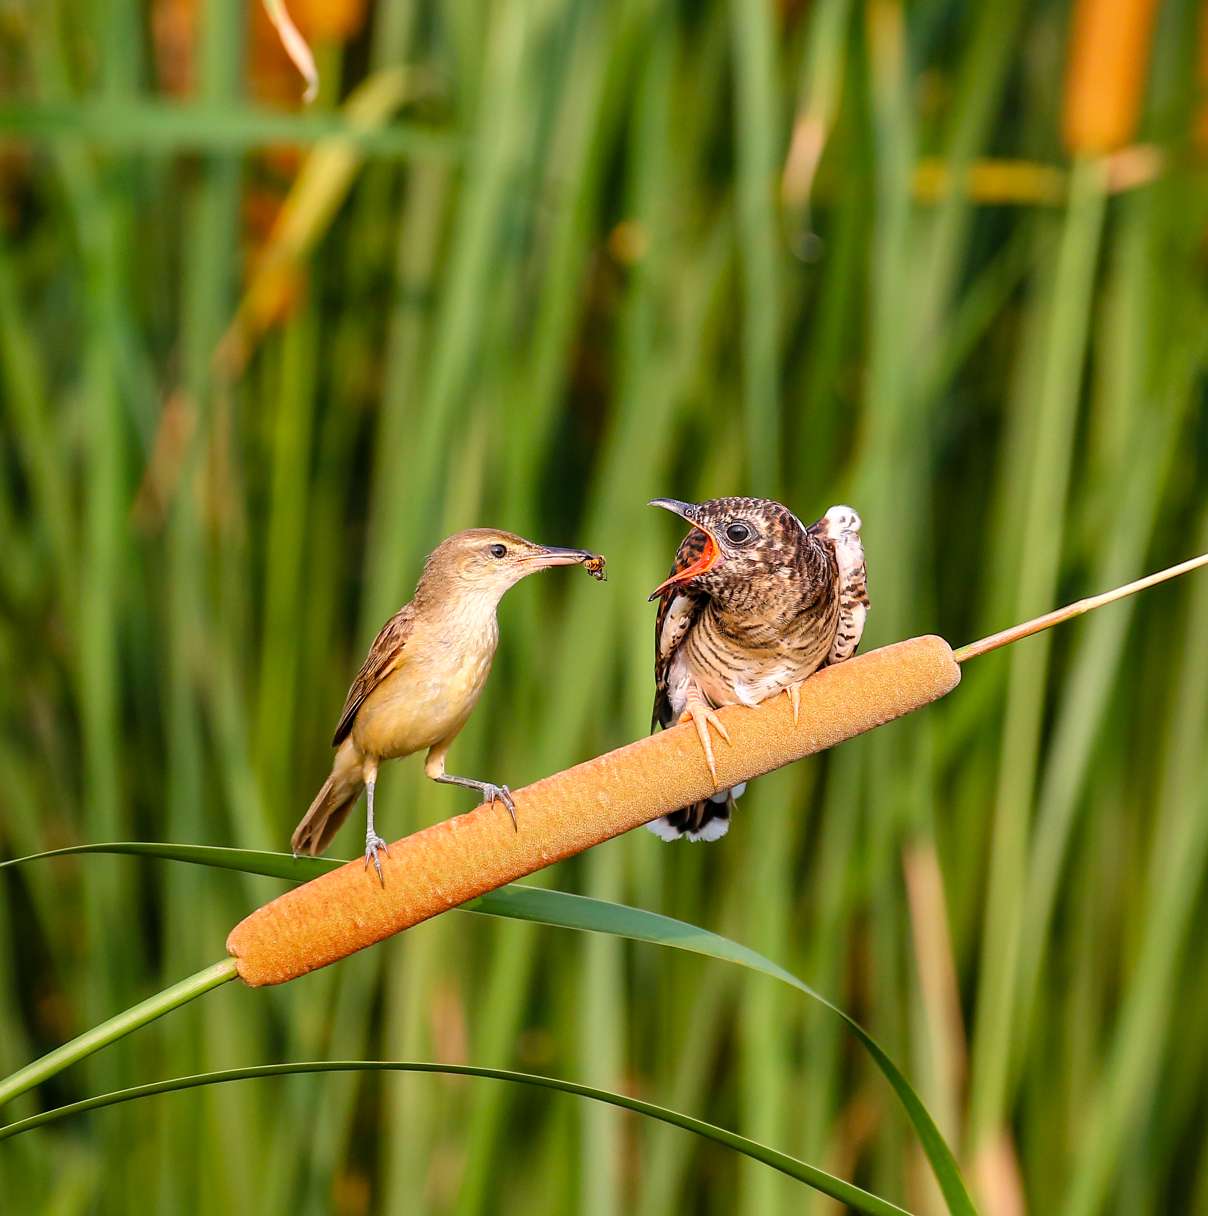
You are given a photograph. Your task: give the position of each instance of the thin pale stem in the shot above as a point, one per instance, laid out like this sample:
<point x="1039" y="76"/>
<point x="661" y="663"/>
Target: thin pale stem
<point x="115" y="1028"/>
<point x="1058" y="615"/>
<point x="296" y="47"/>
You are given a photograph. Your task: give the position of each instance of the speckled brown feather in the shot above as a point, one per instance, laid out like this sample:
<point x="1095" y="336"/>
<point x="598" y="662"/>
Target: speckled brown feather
<point x="692" y="546"/>
<point x="384" y="657"/>
<point x="839" y="529"/>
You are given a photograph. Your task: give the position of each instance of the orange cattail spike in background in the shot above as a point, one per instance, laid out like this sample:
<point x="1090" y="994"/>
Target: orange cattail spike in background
<point x="1108" y="62"/>
<point x="446" y="864"/>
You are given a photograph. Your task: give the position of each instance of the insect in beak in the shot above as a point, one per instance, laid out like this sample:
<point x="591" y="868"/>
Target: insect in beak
<point x="551" y="555"/>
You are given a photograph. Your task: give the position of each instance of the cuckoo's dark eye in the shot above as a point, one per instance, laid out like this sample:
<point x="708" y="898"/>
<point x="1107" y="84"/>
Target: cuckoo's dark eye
<point x="738" y="533"/>
<point x="498" y="550"/>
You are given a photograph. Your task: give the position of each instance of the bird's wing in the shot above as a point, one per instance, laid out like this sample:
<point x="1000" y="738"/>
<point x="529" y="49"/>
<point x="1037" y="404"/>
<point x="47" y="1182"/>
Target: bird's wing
<point x="841" y="527"/>
<point x="678" y="609"/>
<point x="384" y="656"/>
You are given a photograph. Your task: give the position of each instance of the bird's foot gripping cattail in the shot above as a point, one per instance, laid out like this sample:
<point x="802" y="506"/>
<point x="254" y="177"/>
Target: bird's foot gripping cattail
<point x="703" y="716"/>
<point x="374" y="844"/>
<point x="755" y="603"/>
<point x="490" y="793"/>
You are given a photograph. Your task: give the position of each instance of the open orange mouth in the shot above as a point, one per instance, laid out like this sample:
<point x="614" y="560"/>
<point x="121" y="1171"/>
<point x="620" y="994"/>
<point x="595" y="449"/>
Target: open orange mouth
<point x="707" y="560"/>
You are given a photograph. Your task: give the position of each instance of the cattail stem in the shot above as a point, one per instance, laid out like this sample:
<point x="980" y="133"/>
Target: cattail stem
<point x="1038" y="624"/>
<point x="296" y="47"/>
<point x="115" y="1028"/>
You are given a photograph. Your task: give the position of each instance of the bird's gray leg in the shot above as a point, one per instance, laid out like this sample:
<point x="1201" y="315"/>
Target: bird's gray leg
<point x="434" y="766"/>
<point x="373" y="841"/>
<point x="490" y="792"/>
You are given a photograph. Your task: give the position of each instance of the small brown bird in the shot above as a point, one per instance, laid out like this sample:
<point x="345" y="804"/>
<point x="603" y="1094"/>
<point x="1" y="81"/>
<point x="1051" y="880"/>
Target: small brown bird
<point x="423" y="676"/>
<point x="755" y="604"/>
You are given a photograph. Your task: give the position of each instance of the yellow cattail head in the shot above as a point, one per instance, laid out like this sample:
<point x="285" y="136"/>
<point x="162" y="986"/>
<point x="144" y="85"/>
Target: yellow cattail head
<point x="1108" y="63"/>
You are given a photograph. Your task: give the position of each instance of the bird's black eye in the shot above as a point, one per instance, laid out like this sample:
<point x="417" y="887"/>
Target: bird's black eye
<point x="738" y="533"/>
<point x="498" y="550"/>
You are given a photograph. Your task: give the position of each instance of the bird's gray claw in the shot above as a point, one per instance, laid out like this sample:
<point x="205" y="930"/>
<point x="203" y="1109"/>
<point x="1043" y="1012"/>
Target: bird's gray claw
<point x="372" y="845"/>
<point x="501" y="793"/>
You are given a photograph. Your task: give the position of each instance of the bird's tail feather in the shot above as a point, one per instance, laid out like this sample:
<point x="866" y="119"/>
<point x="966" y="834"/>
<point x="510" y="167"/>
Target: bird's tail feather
<point x="331" y="805"/>
<point x="708" y="819"/>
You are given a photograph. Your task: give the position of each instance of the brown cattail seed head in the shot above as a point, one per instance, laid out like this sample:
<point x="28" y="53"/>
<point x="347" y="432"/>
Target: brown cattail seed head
<point x="454" y="861"/>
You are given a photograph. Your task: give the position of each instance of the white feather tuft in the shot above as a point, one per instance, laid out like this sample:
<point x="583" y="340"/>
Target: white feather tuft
<point x="715" y="829"/>
<point x="663" y="830"/>
<point x="724" y="796"/>
<point x="842" y="520"/>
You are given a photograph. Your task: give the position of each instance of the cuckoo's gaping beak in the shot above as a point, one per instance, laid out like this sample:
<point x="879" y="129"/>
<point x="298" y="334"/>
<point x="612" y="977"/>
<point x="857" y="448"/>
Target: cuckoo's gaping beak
<point x="708" y="556"/>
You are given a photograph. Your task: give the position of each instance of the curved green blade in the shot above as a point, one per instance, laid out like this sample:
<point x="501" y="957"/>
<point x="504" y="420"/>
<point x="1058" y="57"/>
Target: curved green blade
<point x="563" y="910"/>
<point x="854" y="1196"/>
<point x="246" y="861"/>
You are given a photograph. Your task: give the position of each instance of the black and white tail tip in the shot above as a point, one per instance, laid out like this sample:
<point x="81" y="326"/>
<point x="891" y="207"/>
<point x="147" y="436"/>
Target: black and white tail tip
<point x="708" y="819"/>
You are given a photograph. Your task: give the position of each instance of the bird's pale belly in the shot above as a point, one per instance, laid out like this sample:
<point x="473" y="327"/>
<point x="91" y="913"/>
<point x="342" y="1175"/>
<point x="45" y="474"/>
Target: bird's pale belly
<point x="738" y="679"/>
<point x="420" y="705"/>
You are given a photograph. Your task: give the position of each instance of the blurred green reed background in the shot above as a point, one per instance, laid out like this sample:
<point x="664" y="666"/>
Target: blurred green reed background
<point x="570" y="255"/>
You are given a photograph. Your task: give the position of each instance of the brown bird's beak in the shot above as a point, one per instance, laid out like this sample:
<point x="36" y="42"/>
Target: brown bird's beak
<point x="709" y="554"/>
<point x="551" y="555"/>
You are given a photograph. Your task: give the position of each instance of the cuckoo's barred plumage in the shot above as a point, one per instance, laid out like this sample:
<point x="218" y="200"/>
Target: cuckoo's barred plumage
<point x="755" y="603"/>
